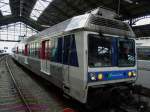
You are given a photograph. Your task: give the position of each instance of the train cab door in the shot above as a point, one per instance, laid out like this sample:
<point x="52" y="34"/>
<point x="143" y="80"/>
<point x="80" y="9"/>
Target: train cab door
<point x="65" y="60"/>
<point x="70" y="61"/>
<point x="45" y="63"/>
<point x="26" y="54"/>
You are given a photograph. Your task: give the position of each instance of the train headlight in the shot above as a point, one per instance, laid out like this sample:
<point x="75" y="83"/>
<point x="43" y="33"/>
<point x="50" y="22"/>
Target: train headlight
<point x="129" y="74"/>
<point x="134" y="74"/>
<point x="100" y="76"/>
<point x="93" y="76"/>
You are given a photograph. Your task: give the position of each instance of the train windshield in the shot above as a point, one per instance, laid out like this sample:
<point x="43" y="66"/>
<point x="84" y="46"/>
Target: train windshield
<point x="105" y="52"/>
<point x="126" y="52"/>
<point x="99" y="51"/>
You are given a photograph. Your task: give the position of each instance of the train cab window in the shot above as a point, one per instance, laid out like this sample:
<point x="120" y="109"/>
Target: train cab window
<point x="99" y="51"/>
<point x="69" y="51"/>
<point x="126" y="52"/>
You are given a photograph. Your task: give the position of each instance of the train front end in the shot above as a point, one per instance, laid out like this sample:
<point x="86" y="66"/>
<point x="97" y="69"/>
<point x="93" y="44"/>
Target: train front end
<point x="111" y="56"/>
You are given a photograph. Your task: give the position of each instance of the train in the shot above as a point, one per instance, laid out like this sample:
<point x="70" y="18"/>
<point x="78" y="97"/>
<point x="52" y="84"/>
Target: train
<point x="83" y="55"/>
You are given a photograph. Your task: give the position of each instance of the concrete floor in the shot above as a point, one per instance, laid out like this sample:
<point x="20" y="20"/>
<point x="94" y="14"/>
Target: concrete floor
<point x="144" y="73"/>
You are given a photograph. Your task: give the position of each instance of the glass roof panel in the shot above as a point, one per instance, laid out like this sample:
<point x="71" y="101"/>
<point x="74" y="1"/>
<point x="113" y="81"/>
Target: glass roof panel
<point x="39" y="7"/>
<point x="143" y="21"/>
<point x="5" y="7"/>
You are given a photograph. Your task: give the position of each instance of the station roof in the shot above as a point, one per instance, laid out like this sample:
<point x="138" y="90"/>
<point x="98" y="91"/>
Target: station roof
<point x="142" y="31"/>
<point x="60" y="10"/>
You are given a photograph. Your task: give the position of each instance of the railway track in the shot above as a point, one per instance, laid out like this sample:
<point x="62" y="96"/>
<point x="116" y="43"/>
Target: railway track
<point x="21" y="95"/>
<point x="11" y="97"/>
<point x="31" y="91"/>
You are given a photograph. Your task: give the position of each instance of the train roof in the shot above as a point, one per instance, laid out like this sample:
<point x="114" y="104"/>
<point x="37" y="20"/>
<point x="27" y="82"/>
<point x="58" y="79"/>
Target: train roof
<point x="89" y="21"/>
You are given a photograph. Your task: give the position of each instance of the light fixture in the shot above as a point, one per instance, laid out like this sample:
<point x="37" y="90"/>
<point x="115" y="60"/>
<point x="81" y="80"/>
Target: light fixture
<point x="92" y="76"/>
<point x="129" y="1"/>
<point x="129" y="74"/>
<point x="134" y="74"/>
<point x="46" y="26"/>
<point x="100" y="76"/>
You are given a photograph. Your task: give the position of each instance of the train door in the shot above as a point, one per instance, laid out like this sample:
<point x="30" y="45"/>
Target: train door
<point x="65" y="59"/>
<point x="70" y="61"/>
<point x="45" y="63"/>
<point x="26" y="54"/>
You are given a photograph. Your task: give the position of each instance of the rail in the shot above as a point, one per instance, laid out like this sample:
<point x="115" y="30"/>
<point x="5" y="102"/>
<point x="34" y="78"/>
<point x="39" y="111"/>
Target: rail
<point x="17" y="87"/>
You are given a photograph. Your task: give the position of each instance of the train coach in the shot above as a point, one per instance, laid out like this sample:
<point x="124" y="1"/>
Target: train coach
<point x="86" y="53"/>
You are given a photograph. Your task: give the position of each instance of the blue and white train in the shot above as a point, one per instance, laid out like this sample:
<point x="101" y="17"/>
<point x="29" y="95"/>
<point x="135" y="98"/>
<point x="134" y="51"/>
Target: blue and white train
<point x="92" y="51"/>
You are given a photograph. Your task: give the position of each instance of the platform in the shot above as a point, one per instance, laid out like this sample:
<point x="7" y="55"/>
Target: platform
<point x="144" y="73"/>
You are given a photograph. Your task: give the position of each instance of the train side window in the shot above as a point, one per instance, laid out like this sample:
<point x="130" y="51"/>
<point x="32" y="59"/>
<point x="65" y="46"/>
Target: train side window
<point x="66" y="48"/>
<point x="28" y="47"/>
<point x="33" y="46"/>
<point x="47" y="49"/>
<point x="35" y="49"/>
<point x="59" y="50"/>
<point x="73" y="53"/>
<point x="53" y="49"/>
<point x="69" y="51"/>
<point x="31" y="49"/>
<point x="38" y="50"/>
